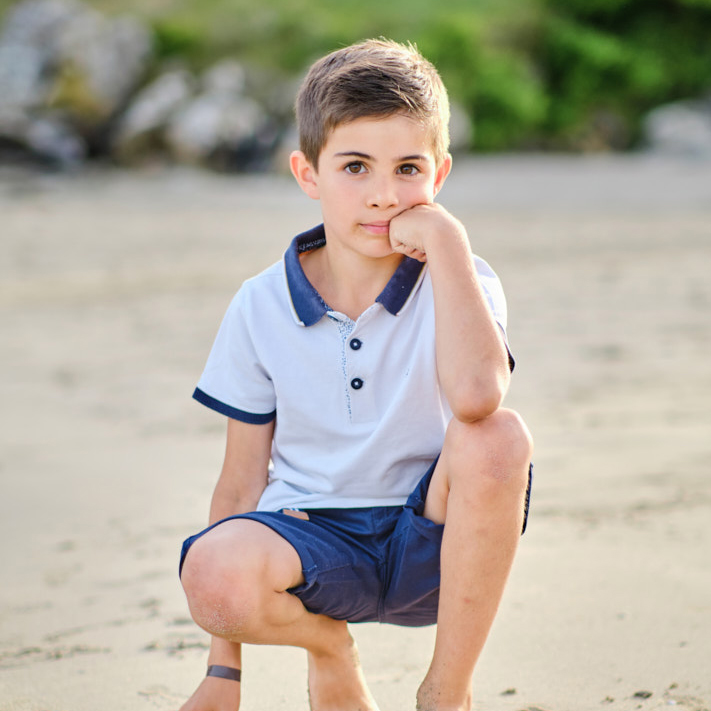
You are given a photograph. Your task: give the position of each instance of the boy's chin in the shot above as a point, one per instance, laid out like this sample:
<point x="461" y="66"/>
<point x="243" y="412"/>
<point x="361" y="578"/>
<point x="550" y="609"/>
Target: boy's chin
<point x="380" y="249"/>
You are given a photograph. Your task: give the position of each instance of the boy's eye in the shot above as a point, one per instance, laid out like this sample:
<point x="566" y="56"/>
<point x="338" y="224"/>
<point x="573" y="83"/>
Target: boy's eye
<point x="355" y="168"/>
<point x="408" y="169"/>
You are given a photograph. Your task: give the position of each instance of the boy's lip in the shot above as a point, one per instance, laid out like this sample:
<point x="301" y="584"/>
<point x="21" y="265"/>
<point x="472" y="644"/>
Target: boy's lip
<point x="381" y="227"/>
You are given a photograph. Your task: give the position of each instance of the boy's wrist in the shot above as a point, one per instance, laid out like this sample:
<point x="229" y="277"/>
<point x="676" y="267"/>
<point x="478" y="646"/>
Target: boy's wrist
<point x="224" y="672"/>
<point x="446" y="233"/>
<point x="225" y="654"/>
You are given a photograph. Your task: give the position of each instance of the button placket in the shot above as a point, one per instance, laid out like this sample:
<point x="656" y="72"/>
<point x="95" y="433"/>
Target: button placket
<point x="358" y="371"/>
<point x="355" y="345"/>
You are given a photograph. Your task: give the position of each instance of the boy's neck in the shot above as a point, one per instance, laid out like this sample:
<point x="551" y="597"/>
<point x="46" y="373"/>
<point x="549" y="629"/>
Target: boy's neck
<point x="348" y="282"/>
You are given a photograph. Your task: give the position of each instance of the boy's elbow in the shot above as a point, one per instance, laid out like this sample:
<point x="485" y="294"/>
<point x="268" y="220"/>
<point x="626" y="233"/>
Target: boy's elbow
<point x="472" y="412"/>
<point x="477" y="401"/>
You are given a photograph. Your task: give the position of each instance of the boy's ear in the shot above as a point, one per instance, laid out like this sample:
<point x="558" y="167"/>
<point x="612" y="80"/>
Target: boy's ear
<point x="305" y="174"/>
<point x="443" y="172"/>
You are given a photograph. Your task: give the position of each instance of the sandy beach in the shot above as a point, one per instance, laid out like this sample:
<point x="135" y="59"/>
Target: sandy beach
<point x="112" y="286"/>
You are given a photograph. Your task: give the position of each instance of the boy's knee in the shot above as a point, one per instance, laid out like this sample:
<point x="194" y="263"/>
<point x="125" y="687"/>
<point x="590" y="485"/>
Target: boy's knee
<point x="217" y="586"/>
<point x="499" y="446"/>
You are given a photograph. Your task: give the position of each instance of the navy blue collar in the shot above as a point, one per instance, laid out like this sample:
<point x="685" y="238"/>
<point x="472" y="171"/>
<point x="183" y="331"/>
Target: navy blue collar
<point x="309" y="305"/>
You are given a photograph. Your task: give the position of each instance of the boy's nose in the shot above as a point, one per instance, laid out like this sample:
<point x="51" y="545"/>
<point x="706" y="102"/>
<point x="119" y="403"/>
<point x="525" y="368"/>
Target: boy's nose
<point x="383" y="194"/>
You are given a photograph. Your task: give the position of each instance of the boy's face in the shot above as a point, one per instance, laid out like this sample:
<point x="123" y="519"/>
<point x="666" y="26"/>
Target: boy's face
<point x="369" y="171"/>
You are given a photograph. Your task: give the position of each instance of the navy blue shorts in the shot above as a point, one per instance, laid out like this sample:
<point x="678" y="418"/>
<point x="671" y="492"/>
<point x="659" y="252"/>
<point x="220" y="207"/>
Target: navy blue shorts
<point x="378" y="564"/>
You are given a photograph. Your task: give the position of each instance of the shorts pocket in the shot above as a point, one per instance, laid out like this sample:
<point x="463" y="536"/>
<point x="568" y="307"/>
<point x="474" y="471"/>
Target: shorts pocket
<point x="412" y="588"/>
<point x="344" y="592"/>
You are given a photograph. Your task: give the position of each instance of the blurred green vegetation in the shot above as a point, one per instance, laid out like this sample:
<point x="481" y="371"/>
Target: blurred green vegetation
<point x="543" y="74"/>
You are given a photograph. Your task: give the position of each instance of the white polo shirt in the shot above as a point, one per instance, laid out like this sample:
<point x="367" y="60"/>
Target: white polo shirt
<point x="359" y="412"/>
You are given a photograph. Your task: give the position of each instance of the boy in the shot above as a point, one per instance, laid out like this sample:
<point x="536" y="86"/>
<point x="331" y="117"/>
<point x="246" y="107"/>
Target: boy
<point x="369" y="366"/>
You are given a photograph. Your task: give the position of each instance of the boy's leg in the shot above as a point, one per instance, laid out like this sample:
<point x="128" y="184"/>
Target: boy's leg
<point x="236" y="577"/>
<point x="477" y="491"/>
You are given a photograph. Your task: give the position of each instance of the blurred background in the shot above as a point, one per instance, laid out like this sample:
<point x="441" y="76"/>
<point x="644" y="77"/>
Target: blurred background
<point x="142" y="178"/>
<point x="212" y="81"/>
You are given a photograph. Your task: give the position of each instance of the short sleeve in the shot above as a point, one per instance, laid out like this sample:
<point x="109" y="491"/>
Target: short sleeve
<point x="234" y="381"/>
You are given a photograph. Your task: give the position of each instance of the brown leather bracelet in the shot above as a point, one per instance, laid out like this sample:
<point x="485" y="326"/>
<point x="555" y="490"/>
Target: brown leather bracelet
<point x="224" y="672"/>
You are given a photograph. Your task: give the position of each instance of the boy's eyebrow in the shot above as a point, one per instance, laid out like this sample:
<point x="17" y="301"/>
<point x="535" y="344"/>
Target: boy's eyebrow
<point x="358" y="154"/>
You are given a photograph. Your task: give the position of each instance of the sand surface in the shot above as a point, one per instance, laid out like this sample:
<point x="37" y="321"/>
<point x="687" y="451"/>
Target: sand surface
<point x="112" y="286"/>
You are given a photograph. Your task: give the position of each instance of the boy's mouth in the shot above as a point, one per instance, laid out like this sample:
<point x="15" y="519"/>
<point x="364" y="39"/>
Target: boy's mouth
<point x="377" y="228"/>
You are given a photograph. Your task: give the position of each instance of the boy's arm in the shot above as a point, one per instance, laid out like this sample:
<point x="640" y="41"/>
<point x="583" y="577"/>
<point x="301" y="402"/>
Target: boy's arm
<point x="241" y="483"/>
<point x="244" y="471"/>
<point x="472" y="360"/>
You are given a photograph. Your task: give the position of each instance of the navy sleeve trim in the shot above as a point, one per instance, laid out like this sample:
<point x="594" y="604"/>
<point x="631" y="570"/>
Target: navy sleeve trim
<point x="512" y="362"/>
<point x="249" y="417"/>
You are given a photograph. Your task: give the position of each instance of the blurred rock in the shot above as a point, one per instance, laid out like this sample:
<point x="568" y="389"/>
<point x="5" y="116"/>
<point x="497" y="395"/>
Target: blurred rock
<point x="220" y="126"/>
<point x="254" y="153"/>
<point x="26" y="53"/>
<point x="65" y="73"/>
<point x="211" y="121"/>
<point x="207" y="120"/>
<point x="47" y="138"/>
<point x="28" y="47"/>
<point x="54" y="141"/>
<point x="22" y="84"/>
<point x="226" y="78"/>
<point x="140" y="130"/>
<point x="70" y="88"/>
<point x="100" y="63"/>
<point x="683" y="127"/>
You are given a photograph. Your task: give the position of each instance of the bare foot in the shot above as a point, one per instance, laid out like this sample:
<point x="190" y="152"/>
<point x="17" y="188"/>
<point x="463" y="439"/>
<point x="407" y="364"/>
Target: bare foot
<point x="336" y="682"/>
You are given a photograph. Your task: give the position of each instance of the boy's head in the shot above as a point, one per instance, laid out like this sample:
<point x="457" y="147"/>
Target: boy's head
<point x="373" y="79"/>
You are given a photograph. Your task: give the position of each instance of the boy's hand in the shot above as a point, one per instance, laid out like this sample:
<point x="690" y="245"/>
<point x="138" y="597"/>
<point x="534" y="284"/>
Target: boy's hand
<point x="413" y="231"/>
<point x="214" y="694"/>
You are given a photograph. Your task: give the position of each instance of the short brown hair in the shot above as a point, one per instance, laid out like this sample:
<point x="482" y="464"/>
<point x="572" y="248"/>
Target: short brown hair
<point x="375" y="78"/>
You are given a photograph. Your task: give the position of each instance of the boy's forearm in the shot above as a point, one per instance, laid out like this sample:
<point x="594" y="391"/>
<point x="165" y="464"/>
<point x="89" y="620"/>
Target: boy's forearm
<point x="228" y="654"/>
<point x="227" y="502"/>
<point x="245" y="470"/>
<point x="472" y="360"/>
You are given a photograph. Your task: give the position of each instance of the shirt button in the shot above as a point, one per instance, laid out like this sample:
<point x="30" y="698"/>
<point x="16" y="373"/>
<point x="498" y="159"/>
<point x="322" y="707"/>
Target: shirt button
<point x="356" y="344"/>
<point x="356" y="383"/>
